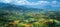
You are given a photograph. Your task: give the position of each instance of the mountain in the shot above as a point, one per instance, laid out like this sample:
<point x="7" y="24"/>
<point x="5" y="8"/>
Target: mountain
<point x="9" y="6"/>
<point x="12" y="7"/>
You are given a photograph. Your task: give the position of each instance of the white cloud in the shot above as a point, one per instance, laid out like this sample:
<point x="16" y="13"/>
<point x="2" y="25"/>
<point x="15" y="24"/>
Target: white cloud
<point x="5" y="1"/>
<point x="43" y="3"/>
<point x="19" y="2"/>
<point x="55" y="4"/>
<point x="39" y="3"/>
<point x="25" y="2"/>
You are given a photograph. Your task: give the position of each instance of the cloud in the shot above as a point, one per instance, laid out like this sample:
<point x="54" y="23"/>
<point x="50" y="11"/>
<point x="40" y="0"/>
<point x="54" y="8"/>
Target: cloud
<point x="5" y="1"/>
<point x="24" y="2"/>
<point x="33" y="4"/>
<point x="20" y="2"/>
<point x="55" y="4"/>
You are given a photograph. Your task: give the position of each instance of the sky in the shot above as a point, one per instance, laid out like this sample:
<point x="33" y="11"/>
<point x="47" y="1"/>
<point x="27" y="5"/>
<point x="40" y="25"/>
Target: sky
<point x="35" y="3"/>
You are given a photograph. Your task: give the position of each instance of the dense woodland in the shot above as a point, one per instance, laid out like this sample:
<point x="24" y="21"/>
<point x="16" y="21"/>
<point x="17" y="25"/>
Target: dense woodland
<point x="29" y="18"/>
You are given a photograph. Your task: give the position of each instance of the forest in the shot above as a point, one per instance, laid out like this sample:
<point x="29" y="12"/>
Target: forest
<point x="29" y="18"/>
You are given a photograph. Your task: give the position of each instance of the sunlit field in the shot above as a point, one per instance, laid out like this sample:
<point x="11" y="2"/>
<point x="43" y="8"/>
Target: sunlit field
<point x="29" y="18"/>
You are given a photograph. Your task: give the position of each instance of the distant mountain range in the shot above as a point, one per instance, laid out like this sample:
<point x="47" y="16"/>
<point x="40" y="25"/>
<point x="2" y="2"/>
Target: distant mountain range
<point x="5" y="6"/>
<point x="11" y="7"/>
